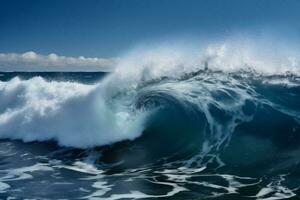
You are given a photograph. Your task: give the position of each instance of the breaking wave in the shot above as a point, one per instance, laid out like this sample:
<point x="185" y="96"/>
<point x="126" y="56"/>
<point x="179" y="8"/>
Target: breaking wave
<point x="193" y="100"/>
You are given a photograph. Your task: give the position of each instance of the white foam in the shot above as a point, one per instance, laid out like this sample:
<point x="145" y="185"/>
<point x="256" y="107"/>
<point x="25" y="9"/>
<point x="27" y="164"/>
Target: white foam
<point x="82" y="167"/>
<point x="230" y="55"/>
<point x="275" y="191"/>
<point x="23" y="173"/>
<point x="70" y="113"/>
<point x="4" y="187"/>
<point x="103" y="189"/>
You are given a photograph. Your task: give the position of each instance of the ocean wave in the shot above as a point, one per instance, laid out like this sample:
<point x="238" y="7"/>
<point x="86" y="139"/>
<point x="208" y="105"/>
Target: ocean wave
<point x="204" y="94"/>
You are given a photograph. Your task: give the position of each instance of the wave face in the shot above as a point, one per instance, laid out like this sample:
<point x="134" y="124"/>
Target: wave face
<point x="221" y="125"/>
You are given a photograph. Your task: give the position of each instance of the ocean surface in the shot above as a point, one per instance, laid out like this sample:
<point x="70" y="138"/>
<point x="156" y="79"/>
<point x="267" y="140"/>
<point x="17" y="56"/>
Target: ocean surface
<point x="198" y="134"/>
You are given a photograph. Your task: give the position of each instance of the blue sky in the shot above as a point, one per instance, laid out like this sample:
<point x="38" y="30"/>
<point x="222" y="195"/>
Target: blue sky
<point x="96" y="28"/>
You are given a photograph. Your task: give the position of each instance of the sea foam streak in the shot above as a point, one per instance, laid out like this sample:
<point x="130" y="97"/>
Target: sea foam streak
<point x="80" y="115"/>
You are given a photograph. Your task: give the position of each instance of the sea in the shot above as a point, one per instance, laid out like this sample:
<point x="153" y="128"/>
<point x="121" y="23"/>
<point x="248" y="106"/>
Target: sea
<point x="129" y="134"/>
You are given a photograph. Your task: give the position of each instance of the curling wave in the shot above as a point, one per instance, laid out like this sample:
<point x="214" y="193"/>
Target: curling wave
<point x="193" y="101"/>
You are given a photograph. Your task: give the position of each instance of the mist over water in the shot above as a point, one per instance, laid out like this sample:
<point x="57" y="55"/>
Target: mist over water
<point x="219" y="121"/>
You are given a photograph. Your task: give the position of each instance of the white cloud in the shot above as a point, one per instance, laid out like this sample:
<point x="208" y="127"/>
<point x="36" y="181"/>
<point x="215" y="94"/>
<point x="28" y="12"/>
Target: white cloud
<point x="31" y="61"/>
